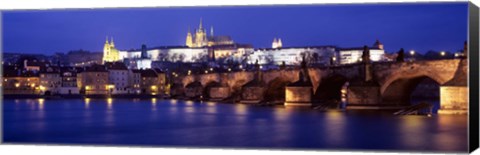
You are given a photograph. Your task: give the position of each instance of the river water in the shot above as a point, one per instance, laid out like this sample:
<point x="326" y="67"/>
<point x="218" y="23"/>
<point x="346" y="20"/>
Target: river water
<point x="175" y="123"/>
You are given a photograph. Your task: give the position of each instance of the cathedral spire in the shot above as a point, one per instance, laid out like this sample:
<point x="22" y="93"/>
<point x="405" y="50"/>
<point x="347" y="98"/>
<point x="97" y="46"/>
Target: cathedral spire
<point x="200" y="27"/>
<point x="106" y="39"/>
<point x="111" y="42"/>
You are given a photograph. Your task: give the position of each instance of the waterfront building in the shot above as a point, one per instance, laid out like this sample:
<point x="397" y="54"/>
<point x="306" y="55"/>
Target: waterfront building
<point x="110" y="53"/>
<point x="94" y="81"/>
<point x="19" y="81"/>
<point x="161" y="81"/>
<point x="134" y="81"/>
<point x="354" y="55"/>
<point x="118" y="77"/>
<point x="69" y="81"/>
<point x="50" y="81"/>
<point x="150" y="82"/>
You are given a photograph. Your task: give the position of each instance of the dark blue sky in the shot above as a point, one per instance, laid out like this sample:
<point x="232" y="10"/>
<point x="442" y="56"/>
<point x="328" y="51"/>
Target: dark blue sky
<point x="421" y="26"/>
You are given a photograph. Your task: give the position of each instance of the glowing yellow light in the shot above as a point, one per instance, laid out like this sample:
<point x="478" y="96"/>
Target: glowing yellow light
<point x="86" y="87"/>
<point x="40" y="103"/>
<point x="110" y="86"/>
<point x="42" y="88"/>
<point x="109" y="101"/>
<point x="17" y="85"/>
<point x="442" y="53"/>
<point x="154" y="87"/>
<point x="333" y="58"/>
<point x="33" y="85"/>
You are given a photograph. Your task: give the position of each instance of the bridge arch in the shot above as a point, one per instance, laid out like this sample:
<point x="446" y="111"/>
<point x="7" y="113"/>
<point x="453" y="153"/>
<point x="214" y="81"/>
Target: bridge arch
<point x="411" y="75"/>
<point x="330" y="88"/>
<point x="209" y="86"/>
<point x="275" y="90"/>
<point x="400" y="90"/>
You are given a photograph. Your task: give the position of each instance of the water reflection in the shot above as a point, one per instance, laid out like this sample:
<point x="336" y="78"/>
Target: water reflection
<point x="41" y="101"/>
<point x="156" y="122"/>
<point x="109" y="103"/>
<point x="335" y="127"/>
<point x="154" y="104"/>
<point x="87" y="103"/>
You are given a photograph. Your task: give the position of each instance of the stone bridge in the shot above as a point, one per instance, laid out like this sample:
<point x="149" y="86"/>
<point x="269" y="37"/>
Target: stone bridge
<point x="396" y="80"/>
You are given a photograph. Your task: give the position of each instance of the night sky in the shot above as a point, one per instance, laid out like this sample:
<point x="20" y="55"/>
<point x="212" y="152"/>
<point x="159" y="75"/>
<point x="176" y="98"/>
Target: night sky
<point x="422" y="27"/>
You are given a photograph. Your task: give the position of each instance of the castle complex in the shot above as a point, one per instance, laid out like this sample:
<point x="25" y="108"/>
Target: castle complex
<point x="201" y="47"/>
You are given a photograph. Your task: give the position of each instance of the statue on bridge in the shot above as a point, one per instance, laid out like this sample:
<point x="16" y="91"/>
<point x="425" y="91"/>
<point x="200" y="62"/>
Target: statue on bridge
<point x="401" y="55"/>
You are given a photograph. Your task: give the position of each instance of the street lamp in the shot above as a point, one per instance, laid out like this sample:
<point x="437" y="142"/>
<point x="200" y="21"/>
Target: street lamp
<point x="442" y="53"/>
<point x="412" y="52"/>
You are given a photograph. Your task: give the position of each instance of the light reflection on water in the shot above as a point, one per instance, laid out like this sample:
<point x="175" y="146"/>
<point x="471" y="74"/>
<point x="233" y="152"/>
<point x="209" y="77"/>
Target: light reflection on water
<point x="187" y="123"/>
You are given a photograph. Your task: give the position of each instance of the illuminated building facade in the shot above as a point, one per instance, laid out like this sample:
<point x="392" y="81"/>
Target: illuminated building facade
<point x="94" y="80"/>
<point x="165" y="53"/>
<point x="354" y="55"/>
<point x="293" y="55"/>
<point x="134" y="81"/>
<point x="69" y="81"/>
<point x="118" y="77"/>
<point x="150" y="82"/>
<point x="50" y="81"/>
<point x="277" y="43"/>
<point x="110" y="53"/>
<point x="18" y="81"/>
<point x="201" y="39"/>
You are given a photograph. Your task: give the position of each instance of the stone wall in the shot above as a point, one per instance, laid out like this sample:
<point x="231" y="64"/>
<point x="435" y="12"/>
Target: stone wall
<point x="219" y="92"/>
<point x="363" y="95"/>
<point x="252" y="94"/>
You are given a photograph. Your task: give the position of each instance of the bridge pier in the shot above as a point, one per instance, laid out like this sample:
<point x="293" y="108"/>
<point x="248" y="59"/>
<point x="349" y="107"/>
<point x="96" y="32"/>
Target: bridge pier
<point x="252" y="94"/>
<point x="219" y="93"/>
<point x="453" y="100"/>
<point x="454" y="93"/>
<point x="298" y="96"/>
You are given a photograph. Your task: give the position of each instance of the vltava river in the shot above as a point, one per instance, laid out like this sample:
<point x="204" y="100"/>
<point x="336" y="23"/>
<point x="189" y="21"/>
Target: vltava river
<point x="155" y="122"/>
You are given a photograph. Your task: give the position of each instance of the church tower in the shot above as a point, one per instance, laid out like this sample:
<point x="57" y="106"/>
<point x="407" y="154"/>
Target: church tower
<point x="106" y="51"/>
<point x="378" y="44"/>
<point x="189" y="41"/>
<point x="110" y="54"/>
<point x="200" y="36"/>
<point x="277" y="43"/>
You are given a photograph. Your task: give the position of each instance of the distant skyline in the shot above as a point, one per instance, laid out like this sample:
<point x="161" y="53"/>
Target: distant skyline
<point x="417" y="26"/>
